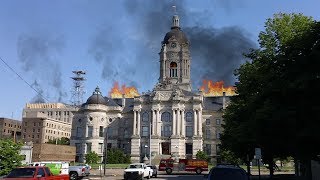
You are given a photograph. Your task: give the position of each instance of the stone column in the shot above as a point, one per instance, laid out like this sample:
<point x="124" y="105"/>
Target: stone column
<point x="134" y="132"/>
<point x="174" y="123"/>
<point x="154" y="122"/>
<point x="195" y="130"/>
<point x="200" y="122"/>
<point x="138" y="128"/>
<point x="183" y="126"/>
<point x="158" y="122"/>
<point x="178" y="122"/>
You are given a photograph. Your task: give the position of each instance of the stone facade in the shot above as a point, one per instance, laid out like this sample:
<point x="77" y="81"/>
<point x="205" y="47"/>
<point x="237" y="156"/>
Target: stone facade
<point x="170" y="120"/>
<point x="44" y="121"/>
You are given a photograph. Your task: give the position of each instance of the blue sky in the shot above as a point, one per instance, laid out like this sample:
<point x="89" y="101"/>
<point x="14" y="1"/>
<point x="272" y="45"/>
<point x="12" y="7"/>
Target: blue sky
<point x="44" y="41"/>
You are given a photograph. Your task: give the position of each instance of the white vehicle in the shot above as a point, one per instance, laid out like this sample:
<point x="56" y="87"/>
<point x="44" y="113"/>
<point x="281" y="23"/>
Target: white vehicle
<point x="56" y="167"/>
<point x="137" y="171"/>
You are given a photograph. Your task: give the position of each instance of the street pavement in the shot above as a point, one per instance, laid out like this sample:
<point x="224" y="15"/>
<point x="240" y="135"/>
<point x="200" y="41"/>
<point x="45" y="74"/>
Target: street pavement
<point x="117" y="174"/>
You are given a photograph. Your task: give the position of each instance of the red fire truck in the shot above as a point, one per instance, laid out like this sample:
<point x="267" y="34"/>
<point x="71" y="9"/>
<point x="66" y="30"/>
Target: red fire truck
<point x="194" y="165"/>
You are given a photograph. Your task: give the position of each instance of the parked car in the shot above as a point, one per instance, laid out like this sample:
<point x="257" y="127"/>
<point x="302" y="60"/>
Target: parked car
<point x="137" y="171"/>
<point x="154" y="169"/>
<point x="34" y="173"/>
<point x="77" y="172"/>
<point x="227" y="172"/>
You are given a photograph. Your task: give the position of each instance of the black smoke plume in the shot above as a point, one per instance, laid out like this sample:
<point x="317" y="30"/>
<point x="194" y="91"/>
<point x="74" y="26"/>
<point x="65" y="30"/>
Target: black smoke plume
<point x="216" y="52"/>
<point x="38" y="54"/>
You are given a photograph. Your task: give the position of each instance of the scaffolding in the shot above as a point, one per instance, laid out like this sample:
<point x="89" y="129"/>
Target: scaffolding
<point x="78" y="87"/>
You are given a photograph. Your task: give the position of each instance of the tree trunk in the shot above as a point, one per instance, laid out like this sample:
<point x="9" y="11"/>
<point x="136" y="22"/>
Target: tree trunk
<point x="271" y="167"/>
<point x="248" y="168"/>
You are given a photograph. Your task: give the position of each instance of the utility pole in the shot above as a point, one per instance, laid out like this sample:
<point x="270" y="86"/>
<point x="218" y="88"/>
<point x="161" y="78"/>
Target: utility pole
<point x="105" y="152"/>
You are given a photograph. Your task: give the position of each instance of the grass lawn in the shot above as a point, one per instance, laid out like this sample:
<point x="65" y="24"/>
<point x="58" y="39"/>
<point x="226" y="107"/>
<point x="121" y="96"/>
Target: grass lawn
<point x="110" y="166"/>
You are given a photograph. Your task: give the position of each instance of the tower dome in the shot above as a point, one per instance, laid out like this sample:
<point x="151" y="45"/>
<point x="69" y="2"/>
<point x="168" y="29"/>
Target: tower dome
<point x="96" y="98"/>
<point x="176" y="32"/>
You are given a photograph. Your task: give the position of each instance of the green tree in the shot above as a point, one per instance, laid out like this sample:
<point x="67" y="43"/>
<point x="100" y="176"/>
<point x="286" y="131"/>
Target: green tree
<point x="278" y="93"/>
<point x="116" y="156"/>
<point x="60" y="141"/>
<point x="202" y="155"/>
<point x="9" y="156"/>
<point x="227" y="156"/>
<point x="92" y="158"/>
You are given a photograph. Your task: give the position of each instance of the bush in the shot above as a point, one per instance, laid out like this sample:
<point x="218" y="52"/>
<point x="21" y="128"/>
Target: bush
<point x="116" y="156"/>
<point x="92" y="157"/>
<point x="202" y="155"/>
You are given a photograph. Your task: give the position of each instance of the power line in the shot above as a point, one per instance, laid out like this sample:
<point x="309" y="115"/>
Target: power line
<point x="23" y="79"/>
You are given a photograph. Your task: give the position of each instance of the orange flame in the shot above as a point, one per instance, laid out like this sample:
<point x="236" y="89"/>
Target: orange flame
<point x="128" y="92"/>
<point x="210" y="88"/>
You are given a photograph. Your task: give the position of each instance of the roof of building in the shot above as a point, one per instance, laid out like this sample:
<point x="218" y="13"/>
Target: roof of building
<point x="179" y="35"/>
<point x="96" y="98"/>
<point x="214" y="103"/>
<point x="111" y="102"/>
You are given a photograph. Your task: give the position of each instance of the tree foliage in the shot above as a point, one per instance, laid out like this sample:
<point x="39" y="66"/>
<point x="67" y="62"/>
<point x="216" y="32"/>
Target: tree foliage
<point x="60" y="141"/>
<point x="92" y="158"/>
<point x="202" y="155"/>
<point x="277" y="106"/>
<point x="9" y="156"/>
<point x="116" y="156"/>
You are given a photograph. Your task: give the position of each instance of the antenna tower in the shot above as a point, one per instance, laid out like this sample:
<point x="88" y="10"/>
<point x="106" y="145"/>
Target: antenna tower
<point x="78" y="87"/>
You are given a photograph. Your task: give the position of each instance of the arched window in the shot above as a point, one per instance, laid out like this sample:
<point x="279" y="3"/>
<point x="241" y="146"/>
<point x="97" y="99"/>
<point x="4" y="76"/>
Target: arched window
<point x="173" y="69"/>
<point x="166" y="128"/>
<point x="189" y="124"/>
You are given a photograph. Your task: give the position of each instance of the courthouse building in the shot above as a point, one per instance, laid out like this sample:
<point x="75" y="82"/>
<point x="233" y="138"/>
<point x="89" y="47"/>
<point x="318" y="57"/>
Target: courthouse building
<point x="170" y="120"/>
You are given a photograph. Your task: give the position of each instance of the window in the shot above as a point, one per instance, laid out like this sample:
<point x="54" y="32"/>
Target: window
<point x="218" y="121"/>
<point x="166" y="117"/>
<point x="47" y="171"/>
<point x="25" y="123"/>
<point x="24" y="136"/>
<point x="79" y="131"/>
<point x="38" y="130"/>
<point x="41" y="172"/>
<point x="145" y="117"/>
<point x="78" y="147"/>
<point x="207" y="149"/>
<point x="166" y="131"/>
<point x="189" y="117"/>
<point x="145" y="131"/>
<point x="90" y="131"/>
<point x="5" y="124"/>
<point x="126" y="133"/>
<point x="101" y="131"/>
<point x="207" y="121"/>
<point x="189" y="131"/>
<point x="33" y="130"/>
<point x="32" y="136"/>
<point x="100" y="148"/>
<point x="110" y="132"/>
<point x="25" y="130"/>
<point x="173" y="69"/>
<point x="4" y="130"/>
<point x="208" y="134"/>
<point x="218" y="134"/>
<point x="88" y="147"/>
<point x="38" y="136"/>
<point x="34" y="124"/>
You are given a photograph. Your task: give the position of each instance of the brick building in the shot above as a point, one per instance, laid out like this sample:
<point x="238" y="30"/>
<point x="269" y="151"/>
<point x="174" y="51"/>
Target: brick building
<point x="10" y="128"/>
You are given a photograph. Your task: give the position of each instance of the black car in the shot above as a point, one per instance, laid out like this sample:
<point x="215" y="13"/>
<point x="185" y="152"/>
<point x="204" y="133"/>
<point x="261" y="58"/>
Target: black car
<point x="227" y="172"/>
<point x="155" y="171"/>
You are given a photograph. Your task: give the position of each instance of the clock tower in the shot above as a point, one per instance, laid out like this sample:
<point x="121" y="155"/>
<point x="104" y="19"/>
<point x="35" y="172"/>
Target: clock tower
<point x="175" y="58"/>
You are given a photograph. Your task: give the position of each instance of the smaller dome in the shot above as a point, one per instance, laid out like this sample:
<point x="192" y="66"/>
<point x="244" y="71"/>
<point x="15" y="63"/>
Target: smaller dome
<point x="96" y="98"/>
<point x="179" y="35"/>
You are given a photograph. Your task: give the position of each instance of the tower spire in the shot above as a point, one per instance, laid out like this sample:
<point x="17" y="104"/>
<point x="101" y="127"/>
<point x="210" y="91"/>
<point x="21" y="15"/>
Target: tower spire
<point x="175" y="18"/>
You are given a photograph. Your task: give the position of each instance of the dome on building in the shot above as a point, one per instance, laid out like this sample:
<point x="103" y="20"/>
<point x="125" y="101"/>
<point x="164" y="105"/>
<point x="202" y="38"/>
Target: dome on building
<point x="96" y="98"/>
<point x="179" y="35"/>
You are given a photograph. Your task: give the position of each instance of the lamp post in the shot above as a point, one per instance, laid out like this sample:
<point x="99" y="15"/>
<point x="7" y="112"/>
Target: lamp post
<point x="105" y="152"/>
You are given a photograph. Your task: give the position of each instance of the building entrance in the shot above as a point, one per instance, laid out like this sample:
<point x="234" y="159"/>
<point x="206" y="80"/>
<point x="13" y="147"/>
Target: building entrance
<point x="189" y="150"/>
<point x="165" y="148"/>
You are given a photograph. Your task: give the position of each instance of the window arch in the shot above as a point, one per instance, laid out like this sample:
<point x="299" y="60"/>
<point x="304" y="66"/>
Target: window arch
<point x="166" y="128"/>
<point x="173" y="69"/>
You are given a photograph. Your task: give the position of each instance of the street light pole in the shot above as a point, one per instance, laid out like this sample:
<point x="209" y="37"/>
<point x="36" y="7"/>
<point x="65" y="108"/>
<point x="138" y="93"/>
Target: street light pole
<point x="150" y="142"/>
<point x="105" y="152"/>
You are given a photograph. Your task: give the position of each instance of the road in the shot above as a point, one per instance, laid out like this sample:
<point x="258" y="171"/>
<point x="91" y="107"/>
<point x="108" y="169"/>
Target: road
<point x="160" y="177"/>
